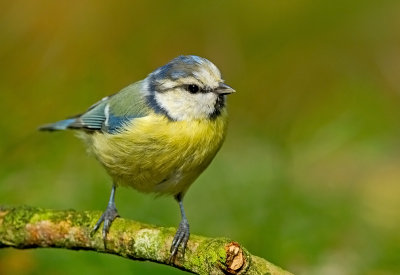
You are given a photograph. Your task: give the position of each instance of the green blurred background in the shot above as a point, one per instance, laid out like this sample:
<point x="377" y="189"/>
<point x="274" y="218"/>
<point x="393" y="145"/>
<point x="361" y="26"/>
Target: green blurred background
<point x="309" y="176"/>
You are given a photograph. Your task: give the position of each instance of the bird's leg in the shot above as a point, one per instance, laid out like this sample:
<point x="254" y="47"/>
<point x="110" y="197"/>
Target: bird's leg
<point x="182" y="234"/>
<point x="108" y="216"/>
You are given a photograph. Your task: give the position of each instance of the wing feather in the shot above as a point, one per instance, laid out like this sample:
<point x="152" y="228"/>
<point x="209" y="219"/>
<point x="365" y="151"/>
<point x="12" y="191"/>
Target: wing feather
<point x="109" y="114"/>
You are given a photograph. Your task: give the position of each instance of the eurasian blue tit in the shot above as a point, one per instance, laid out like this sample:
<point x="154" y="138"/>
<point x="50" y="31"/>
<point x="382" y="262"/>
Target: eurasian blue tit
<point x="158" y="134"/>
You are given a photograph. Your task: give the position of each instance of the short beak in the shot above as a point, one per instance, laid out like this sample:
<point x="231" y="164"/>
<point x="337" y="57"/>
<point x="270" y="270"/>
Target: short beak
<point x="224" y="89"/>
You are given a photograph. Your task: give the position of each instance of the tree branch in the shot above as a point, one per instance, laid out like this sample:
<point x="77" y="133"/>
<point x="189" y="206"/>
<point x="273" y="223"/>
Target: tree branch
<point x="30" y="227"/>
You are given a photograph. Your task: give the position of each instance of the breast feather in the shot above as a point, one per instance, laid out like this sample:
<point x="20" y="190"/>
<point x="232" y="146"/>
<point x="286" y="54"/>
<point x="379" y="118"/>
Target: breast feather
<point x="154" y="154"/>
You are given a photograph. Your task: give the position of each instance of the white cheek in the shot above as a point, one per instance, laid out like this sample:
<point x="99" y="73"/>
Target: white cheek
<point x="181" y="105"/>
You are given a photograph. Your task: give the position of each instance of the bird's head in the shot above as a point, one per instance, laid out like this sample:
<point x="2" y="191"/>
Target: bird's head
<point x="187" y="88"/>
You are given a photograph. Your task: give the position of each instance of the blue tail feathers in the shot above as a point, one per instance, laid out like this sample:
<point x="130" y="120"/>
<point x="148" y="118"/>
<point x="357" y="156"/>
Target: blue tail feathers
<point x="59" y="125"/>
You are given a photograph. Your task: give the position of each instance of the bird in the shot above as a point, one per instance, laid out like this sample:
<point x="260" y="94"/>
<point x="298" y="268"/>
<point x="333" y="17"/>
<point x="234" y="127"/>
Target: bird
<point x="158" y="134"/>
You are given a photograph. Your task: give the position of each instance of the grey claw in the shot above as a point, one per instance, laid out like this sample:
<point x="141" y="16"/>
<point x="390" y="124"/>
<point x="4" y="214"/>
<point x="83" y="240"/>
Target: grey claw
<point x="108" y="217"/>
<point x="181" y="238"/>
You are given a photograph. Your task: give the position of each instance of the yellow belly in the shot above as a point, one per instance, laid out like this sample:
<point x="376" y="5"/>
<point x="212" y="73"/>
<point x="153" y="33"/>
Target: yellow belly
<point x="154" y="154"/>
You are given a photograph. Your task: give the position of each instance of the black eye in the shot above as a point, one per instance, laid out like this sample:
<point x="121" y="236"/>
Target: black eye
<point x="192" y="88"/>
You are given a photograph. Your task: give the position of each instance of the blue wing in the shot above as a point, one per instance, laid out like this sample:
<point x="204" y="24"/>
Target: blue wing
<point x="107" y="115"/>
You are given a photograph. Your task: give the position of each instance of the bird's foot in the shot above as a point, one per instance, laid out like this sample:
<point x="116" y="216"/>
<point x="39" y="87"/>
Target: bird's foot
<point x="181" y="238"/>
<point x="108" y="217"/>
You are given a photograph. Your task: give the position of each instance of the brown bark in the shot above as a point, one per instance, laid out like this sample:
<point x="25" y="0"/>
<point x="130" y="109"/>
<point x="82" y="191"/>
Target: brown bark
<point x="29" y="227"/>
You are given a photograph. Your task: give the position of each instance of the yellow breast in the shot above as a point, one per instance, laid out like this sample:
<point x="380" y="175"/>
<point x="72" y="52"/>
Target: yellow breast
<point x="154" y="154"/>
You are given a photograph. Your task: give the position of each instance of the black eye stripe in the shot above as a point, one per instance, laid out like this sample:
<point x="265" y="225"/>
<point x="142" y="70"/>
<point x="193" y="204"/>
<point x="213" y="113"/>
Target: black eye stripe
<point x="191" y="88"/>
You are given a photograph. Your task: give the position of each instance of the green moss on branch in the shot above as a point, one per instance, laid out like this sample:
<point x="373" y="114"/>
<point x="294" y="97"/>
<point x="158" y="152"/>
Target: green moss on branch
<point x="30" y="227"/>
